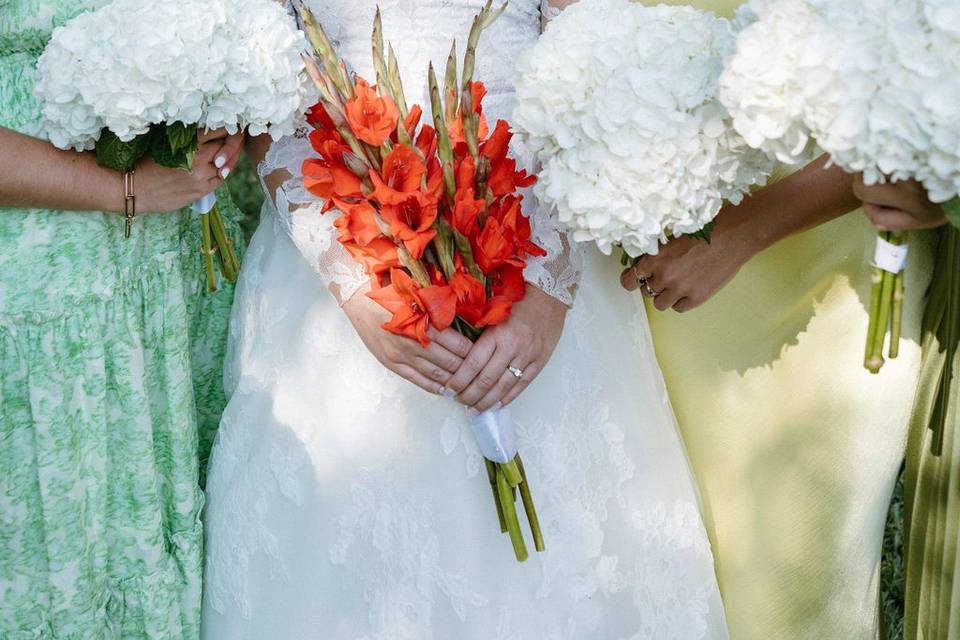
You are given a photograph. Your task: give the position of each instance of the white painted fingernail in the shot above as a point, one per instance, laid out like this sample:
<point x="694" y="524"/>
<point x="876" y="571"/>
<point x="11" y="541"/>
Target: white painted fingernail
<point x="447" y="392"/>
<point x="220" y="161"/>
<point x="472" y="413"/>
<point x="499" y="405"/>
<point x="224" y="172"/>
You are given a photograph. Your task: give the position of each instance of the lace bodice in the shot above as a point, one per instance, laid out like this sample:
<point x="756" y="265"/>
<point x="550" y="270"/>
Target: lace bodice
<point x="420" y="32"/>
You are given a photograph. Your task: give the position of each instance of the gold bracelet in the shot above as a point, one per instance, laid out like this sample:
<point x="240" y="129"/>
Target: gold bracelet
<point x="129" y="202"/>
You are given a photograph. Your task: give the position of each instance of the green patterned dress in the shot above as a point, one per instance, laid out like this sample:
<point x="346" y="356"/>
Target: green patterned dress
<point x="110" y="391"/>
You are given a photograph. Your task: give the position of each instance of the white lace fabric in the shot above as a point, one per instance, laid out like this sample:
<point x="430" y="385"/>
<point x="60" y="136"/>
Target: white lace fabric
<point x="557" y="273"/>
<point x="344" y="503"/>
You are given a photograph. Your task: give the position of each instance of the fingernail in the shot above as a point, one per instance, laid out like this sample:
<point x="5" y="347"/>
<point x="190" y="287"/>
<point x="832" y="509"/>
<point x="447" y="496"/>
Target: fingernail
<point x="446" y="392"/>
<point x="220" y="161"/>
<point x="472" y="413"/>
<point x="224" y="172"/>
<point x="499" y="405"/>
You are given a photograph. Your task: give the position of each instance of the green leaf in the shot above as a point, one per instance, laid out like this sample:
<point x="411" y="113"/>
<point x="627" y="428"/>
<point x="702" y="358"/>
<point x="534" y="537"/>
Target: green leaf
<point x="952" y="209"/>
<point x="181" y="136"/>
<point x="171" y="146"/>
<point x="706" y="233"/>
<point x="121" y="156"/>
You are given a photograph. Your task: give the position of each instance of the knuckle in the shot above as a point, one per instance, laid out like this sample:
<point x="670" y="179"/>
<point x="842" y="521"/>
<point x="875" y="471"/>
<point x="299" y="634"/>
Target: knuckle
<point x="485" y="381"/>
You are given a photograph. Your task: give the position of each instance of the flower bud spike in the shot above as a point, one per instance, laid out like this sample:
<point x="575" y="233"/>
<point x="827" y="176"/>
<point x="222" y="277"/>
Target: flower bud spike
<point x="325" y="50"/>
<point x="379" y="63"/>
<point x="393" y="71"/>
<point x="451" y="93"/>
<point x="444" y="148"/>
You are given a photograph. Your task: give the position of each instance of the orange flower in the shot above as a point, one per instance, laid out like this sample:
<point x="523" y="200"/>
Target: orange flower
<point x="473" y="305"/>
<point x="414" y="307"/>
<point x="493" y="247"/>
<point x="412" y="120"/>
<point x="516" y="226"/>
<point x="372" y="117"/>
<point x="318" y="117"/>
<point x="508" y="283"/>
<point x="328" y="180"/>
<point x="402" y="172"/>
<point x="411" y="222"/>
<point x="457" y="136"/>
<point x="466" y="212"/>
<point x="377" y="257"/>
<point x="357" y="222"/>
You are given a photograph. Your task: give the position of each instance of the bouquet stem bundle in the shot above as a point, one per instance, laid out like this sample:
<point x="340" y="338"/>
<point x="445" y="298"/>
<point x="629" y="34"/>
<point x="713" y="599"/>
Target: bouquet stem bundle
<point x="215" y="241"/>
<point x="886" y="309"/>
<point x="446" y="248"/>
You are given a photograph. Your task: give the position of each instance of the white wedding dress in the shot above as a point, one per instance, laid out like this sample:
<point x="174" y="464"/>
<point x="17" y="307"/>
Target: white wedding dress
<point x="343" y="503"/>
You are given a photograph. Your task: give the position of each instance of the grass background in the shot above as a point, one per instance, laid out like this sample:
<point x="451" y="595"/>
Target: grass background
<point x="246" y="191"/>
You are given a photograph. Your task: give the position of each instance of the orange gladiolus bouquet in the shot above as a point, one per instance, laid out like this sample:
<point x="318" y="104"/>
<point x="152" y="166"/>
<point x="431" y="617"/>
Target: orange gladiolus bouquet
<point x="433" y="213"/>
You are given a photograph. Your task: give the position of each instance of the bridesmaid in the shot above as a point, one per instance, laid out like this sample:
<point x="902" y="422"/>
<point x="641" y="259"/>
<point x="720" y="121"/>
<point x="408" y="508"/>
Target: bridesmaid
<point x="796" y="447"/>
<point x="110" y="374"/>
<point x="932" y="607"/>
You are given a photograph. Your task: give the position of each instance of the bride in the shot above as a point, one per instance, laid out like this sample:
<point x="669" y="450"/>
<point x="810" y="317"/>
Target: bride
<point x="345" y="502"/>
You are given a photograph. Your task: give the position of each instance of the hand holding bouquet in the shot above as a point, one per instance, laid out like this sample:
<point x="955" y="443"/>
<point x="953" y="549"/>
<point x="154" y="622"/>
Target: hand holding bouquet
<point x="619" y="102"/>
<point x="876" y="85"/>
<point x="433" y="213"/>
<point x="137" y="79"/>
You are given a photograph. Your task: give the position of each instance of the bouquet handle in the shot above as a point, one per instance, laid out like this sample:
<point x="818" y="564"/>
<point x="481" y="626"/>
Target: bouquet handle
<point x="215" y="241"/>
<point x="493" y="430"/>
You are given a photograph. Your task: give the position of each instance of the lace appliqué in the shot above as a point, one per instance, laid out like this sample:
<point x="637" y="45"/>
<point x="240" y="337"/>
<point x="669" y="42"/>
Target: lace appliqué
<point x="299" y="215"/>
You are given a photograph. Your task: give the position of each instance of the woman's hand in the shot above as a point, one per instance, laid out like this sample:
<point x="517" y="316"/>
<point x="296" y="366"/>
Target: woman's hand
<point x="900" y="206"/>
<point x="687" y="272"/>
<point x="509" y="356"/>
<point x="161" y="189"/>
<point x="429" y="368"/>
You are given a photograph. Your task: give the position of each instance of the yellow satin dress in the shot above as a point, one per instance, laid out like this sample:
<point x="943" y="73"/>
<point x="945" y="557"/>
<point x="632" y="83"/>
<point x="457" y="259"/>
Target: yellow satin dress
<point x="795" y="446"/>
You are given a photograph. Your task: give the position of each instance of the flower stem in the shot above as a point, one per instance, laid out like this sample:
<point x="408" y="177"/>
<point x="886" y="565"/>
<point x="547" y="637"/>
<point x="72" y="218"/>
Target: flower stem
<point x="527" y="497"/>
<point x="512" y="472"/>
<point x="896" y="321"/>
<point x="208" y="251"/>
<point x="492" y="475"/>
<point x="510" y="516"/>
<point x="229" y="264"/>
<point x="870" y="360"/>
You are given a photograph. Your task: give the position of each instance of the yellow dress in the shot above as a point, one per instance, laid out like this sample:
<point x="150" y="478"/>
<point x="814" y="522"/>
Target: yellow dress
<point x="795" y="446"/>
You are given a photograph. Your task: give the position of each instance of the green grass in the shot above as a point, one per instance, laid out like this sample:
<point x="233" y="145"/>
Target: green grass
<point x="247" y="194"/>
<point x="892" y="580"/>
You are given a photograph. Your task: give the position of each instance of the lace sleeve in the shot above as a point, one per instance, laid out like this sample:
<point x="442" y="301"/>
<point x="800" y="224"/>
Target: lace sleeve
<point x="298" y="211"/>
<point x="557" y="273"/>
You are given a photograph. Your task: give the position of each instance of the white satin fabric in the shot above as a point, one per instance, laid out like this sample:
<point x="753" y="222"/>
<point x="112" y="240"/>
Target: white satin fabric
<point x="343" y="503"/>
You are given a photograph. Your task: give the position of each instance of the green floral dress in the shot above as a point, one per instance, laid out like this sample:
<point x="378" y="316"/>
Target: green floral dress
<point x="110" y="391"/>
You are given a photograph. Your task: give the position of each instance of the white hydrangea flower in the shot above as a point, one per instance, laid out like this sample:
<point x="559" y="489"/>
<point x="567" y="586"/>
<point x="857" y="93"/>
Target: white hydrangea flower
<point x="874" y="83"/>
<point x="131" y="64"/>
<point x="618" y="101"/>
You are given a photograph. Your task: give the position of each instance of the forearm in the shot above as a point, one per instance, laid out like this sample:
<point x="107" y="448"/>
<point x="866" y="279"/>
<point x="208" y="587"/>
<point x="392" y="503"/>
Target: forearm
<point x="35" y="174"/>
<point x="806" y="199"/>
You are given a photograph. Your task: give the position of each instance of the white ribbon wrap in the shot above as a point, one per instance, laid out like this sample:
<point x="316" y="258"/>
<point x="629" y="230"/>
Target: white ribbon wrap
<point x="891" y="257"/>
<point x="204" y="205"/>
<point x="493" y="430"/>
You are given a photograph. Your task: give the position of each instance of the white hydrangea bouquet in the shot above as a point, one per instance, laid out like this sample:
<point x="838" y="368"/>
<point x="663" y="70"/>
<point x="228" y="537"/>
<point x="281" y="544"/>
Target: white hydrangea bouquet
<point x="135" y="79"/>
<point x="873" y="83"/>
<point x="618" y="101"/>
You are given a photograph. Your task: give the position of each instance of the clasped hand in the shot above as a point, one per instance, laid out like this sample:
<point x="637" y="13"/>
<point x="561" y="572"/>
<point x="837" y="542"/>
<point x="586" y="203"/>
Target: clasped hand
<point x="484" y="375"/>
